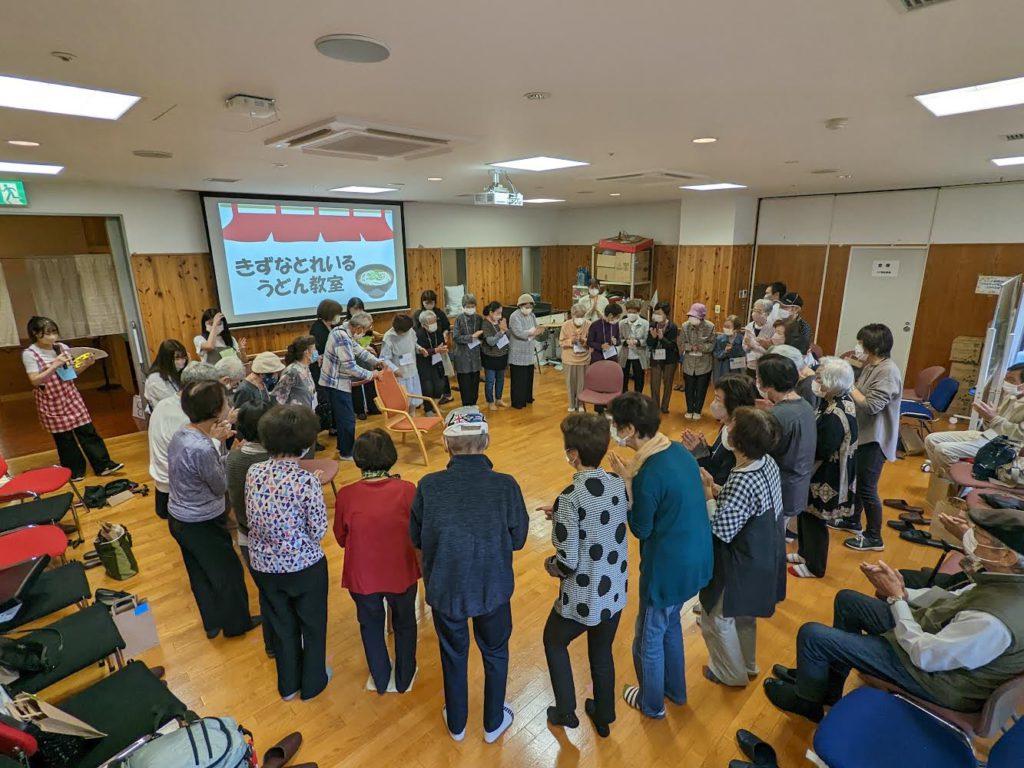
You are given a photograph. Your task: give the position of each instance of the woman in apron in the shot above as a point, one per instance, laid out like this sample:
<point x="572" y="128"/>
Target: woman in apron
<point x="215" y="338"/>
<point x="62" y="411"/>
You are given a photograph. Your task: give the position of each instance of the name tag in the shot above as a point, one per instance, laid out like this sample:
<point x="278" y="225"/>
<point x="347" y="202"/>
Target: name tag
<point x="474" y="344"/>
<point x="611" y="352"/>
<point x="502" y="342"/>
<point x="579" y="349"/>
<point x="407" y="359"/>
<point x="695" y="354"/>
<point x="737" y="364"/>
<point x="659" y="354"/>
<point x="435" y="359"/>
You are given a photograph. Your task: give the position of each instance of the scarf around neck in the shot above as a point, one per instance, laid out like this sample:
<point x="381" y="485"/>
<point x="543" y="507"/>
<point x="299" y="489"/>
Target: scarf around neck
<point x="656" y="444"/>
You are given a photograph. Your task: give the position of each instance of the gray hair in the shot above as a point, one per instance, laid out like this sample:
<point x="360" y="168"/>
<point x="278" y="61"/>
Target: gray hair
<point x="459" y="445"/>
<point x="361" y="319"/>
<point x="469" y="300"/>
<point x="835" y="376"/>
<point x="763" y="305"/>
<point x="578" y="310"/>
<point x="196" y="371"/>
<point x="791" y="353"/>
<point x="231" y="368"/>
<point x="427" y="315"/>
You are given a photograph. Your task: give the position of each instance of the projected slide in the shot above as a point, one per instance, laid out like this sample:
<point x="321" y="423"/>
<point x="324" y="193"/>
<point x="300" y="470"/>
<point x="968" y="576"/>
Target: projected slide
<point x="278" y="259"/>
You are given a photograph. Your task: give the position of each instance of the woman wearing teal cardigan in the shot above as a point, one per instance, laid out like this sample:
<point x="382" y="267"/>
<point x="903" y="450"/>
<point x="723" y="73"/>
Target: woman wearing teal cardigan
<point x="668" y="514"/>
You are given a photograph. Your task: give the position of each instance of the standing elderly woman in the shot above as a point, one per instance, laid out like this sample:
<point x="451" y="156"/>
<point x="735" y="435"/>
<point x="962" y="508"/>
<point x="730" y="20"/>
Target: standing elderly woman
<point x="753" y="331"/>
<point x="198" y="485"/>
<point x="523" y="329"/>
<point x="732" y="391"/>
<point x="346" y="361"/>
<point x="295" y="385"/>
<point x="262" y="378"/>
<point x="572" y="338"/>
<point x="696" y="341"/>
<point x="230" y="371"/>
<point x="594" y="302"/>
<point x="466" y="334"/>
<point x="633" y="354"/>
<point x="494" y="355"/>
<point x="835" y="469"/>
<point x="429" y="366"/>
<point x="877" y="395"/>
<point x="287" y="517"/>
<point x="663" y="343"/>
<point x="805" y="374"/>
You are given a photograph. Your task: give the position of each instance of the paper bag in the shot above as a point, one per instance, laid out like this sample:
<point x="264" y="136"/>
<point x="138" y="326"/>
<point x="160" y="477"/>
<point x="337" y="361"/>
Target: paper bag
<point x="134" y="621"/>
<point x="28" y="709"/>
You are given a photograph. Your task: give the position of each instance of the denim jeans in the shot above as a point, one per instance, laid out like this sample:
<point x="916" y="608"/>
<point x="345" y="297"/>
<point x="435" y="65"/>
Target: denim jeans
<point x="494" y="384"/>
<point x="658" y="658"/>
<point x="825" y="655"/>
<point x="344" y="420"/>
<point x="869" y="460"/>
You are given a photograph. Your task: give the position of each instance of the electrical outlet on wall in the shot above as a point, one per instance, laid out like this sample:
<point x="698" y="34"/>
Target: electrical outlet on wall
<point x="718" y="309"/>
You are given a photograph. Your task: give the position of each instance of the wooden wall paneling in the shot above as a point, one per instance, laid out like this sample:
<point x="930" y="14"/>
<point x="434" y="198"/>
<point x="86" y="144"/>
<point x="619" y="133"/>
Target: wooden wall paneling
<point x="173" y="291"/>
<point x="494" y="274"/>
<point x="742" y="262"/>
<point x="949" y="307"/>
<point x="832" y="298"/>
<point x="423" y="272"/>
<point x="800" y="267"/>
<point x="558" y="266"/>
<point x="711" y="275"/>
<point x="666" y="257"/>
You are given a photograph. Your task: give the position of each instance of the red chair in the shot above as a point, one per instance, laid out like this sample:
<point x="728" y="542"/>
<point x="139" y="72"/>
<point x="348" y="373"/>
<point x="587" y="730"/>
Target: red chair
<point x="923" y="383"/>
<point x="393" y="402"/>
<point x="16" y="744"/>
<point x="32" y="541"/>
<point x="602" y="383"/>
<point x="34" y="483"/>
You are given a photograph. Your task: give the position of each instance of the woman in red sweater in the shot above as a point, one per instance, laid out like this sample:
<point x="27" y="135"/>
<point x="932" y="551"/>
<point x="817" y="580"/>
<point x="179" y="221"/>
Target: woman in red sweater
<point x="371" y="522"/>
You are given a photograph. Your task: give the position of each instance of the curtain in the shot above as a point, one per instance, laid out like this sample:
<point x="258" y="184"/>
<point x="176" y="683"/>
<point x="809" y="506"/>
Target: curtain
<point x="8" y="326"/>
<point x="100" y="295"/>
<point x="57" y="292"/>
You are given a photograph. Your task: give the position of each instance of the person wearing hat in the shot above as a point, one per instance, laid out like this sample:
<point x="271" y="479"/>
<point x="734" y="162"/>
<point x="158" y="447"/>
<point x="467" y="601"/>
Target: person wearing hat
<point x="256" y="387"/>
<point x="696" y="341"/>
<point x="798" y="330"/>
<point x="951" y="648"/>
<point x="467" y="520"/>
<point x="522" y="356"/>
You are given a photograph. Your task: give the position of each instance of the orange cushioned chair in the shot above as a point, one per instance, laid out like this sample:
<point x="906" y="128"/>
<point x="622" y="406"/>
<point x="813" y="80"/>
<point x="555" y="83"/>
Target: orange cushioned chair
<point x="393" y="402"/>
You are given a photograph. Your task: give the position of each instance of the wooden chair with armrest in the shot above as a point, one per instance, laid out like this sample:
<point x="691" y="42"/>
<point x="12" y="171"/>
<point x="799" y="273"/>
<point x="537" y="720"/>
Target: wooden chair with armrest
<point x="393" y="402"/>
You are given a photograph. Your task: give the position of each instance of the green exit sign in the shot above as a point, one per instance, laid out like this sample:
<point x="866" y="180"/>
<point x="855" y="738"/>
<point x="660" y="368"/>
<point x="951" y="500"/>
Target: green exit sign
<point x="12" y="193"/>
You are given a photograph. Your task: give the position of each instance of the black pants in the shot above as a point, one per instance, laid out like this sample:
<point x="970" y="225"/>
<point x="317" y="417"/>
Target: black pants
<point x="363" y="399"/>
<point x="521" y="378"/>
<point x="469" y="387"/>
<point x="268" y="629"/>
<point x="870" y="460"/>
<point x="295" y="605"/>
<point x="558" y="633"/>
<point x="160" y="499"/>
<point x="215" y="575"/>
<point x="633" y="371"/>
<point x="813" y="545"/>
<point x="491" y="631"/>
<point x="662" y="376"/>
<point x="371" y="615"/>
<point x="696" y="389"/>
<point x="71" y="445"/>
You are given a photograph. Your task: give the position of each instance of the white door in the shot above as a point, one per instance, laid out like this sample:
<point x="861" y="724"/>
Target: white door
<point x="883" y="285"/>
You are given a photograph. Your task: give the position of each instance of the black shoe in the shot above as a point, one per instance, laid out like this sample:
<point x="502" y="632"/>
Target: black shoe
<point x="844" y="524"/>
<point x="785" y="674"/>
<point x="77" y="479"/>
<point x="865" y="544"/>
<point x="759" y="751"/>
<point x="590" y="707"/>
<point x="212" y="633"/>
<point x="784" y="696"/>
<point x="115" y="467"/>
<point x="361" y="416"/>
<point x="562" y="721"/>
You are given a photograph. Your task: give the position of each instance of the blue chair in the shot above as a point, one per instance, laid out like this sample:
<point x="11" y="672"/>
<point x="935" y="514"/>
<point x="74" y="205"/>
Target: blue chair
<point x="928" y="413"/>
<point x="1008" y="752"/>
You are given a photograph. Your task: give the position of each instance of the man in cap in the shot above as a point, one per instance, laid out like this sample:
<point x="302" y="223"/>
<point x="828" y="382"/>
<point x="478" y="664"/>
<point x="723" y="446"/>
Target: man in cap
<point x="951" y="648"/>
<point x="467" y="520"/>
<point x="798" y="330"/>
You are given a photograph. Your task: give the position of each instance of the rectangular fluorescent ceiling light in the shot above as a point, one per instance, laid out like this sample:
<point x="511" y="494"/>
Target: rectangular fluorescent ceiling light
<point x="544" y="200"/>
<point x="36" y="95"/>
<point x="49" y="170"/>
<point x="1008" y="160"/>
<point x="357" y="190"/>
<point x="538" y="164"/>
<point x="974" y="98"/>
<point x="713" y="187"/>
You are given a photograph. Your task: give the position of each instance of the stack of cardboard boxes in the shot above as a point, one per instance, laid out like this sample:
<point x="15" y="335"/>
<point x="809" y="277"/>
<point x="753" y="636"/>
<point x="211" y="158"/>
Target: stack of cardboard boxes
<point x="616" y="267"/>
<point x="964" y="359"/>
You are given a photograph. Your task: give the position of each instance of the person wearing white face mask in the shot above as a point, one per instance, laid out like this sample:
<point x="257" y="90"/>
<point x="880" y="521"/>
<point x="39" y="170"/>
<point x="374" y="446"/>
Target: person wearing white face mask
<point x="495" y="355"/>
<point x="663" y="348"/>
<point x="731" y="392"/>
<point x="753" y="331"/>
<point x="522" y="356"/>
<point x="164" y="379"/>
<point x="952" y="648"/>
<point x="696" y="342"/>
<point x="572" y="339"/>
<point x="466" y="335"/>
<point x="798" y="330"/>
<point x="215" y="338"/>
<point x="428" y="303"/>
<point x="595" y="301"/>
<point x="430" y="366"/>
<point x="633" y="353"/>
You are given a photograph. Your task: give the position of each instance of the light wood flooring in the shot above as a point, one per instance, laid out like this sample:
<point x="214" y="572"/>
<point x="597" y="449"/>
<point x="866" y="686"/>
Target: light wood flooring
<point x="347" y="726"/>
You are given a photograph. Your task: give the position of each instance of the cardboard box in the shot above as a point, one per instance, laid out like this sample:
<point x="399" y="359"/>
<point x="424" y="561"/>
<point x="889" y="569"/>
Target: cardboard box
<point x="965" y="373"/>
<point x="614" y="260"/>
<point x="966" y="349"/>
<point x="938" y="490"/>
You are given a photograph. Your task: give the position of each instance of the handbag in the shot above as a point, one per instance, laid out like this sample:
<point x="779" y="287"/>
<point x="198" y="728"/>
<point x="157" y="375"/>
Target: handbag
<point x="113" y="545"/>
<point x="210" y="742"/>
<point x="30" y="656"/>
<point x="994" y="454"/>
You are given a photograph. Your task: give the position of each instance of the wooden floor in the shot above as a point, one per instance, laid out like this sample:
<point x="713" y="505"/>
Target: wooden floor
<point x="348" y="726"/>
<point x="20" y="432"/>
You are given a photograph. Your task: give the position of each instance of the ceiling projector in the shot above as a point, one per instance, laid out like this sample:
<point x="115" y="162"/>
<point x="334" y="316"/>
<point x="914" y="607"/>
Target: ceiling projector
<point x="499" y="192"/>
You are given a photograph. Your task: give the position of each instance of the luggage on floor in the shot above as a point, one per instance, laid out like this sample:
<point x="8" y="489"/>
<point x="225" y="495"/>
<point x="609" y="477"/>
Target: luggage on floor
<point x="210" y="742"/>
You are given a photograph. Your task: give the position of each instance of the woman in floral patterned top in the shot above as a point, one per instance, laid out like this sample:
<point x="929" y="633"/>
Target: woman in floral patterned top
<point x="287" y="518"/>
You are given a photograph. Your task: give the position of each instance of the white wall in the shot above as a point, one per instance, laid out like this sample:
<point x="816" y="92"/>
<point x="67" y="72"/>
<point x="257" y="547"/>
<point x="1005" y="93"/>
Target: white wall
<point x="584" y="226"/>
<point x="432" y="225"/>
<point x="713" y="218"/>
<point x="993" y="213"/>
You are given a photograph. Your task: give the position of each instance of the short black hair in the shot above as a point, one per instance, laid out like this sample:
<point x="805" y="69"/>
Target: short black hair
<point x="738" y="391"/>
<point x="40" y="326"/>
<point x="288" y="430"/>
<point x="401" y="323"/>
<point x="374" y="451"/>
<point x="777" y="372"/>
<point x="428" y="295"/>
<point x="203" y="400"/>
<point x="587" y="434"/>
<point x="247" y="425"/>
<point x="355" y="303"/>
<point x="492" y="306"/>
<point x="613" y="309"/>
<point x="876" y="339"/>
<point x="638" y="411"/>
<point x="665" y="307"/>
<point x="778" y="287"/>
<point x="754" y="432"/>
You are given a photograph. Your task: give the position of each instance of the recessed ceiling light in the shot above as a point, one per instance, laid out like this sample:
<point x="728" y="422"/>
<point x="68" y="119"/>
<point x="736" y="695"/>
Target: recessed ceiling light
<point x="357" y="49"/>
<point x="18" y="93"/>
<point x="434" y="178"/>
<point x="846" y="176"/>
<point x="713" y="187"/>
<point x="538" y="164"/>
<point x="974" y="98"/>
<point x="153" y="154"/>
<point x="705" y="140"/>
<point x="1002" y="161"/>
<point x="537" y="95"/>
<point x="22" y="143"/>
<point x="49" y="170"/>
<point x="359" y="190"/>
<point x="614" y="194"/>
<point x="544" y="200"/>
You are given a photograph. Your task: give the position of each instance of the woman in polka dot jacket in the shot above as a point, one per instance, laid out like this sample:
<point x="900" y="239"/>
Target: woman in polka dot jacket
<point x="589" y="535"/>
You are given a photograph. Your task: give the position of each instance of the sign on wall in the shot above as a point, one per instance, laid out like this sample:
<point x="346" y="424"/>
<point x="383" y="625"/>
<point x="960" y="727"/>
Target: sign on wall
<point x="885" y="268"/>
<point x="12" y="193"/>
<point x="990" y="284"/>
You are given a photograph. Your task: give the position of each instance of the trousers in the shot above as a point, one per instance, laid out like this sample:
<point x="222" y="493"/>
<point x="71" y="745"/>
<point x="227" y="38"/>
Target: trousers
<point x="84" y="439"/>
<point x="732" y="645"/>
<point x="372" y="627"/>
<point x="662" y="376"/>
<point x="558" y="633"/>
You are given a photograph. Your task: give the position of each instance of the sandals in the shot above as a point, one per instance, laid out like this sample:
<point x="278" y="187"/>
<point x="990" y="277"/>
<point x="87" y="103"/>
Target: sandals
<point x="759" y="751"/>
<point x="915" y="536"/>
<point x="914" y="518"/>
<point x="902" y="504"/>
<point x="281" y="753"/>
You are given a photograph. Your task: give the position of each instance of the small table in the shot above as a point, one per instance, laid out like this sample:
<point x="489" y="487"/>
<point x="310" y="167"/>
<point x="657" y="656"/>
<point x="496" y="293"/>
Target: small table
<point x="328" y="470"/>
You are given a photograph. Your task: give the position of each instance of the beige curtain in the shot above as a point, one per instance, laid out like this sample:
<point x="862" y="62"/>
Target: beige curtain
<point x="8" y="326"/>
<point x="57" y="292"/>
<point x="100" y="295"/>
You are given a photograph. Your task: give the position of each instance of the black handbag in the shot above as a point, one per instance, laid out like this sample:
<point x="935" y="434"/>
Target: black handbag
<point x="994" y="454"/>
<point x="30" y="656"/>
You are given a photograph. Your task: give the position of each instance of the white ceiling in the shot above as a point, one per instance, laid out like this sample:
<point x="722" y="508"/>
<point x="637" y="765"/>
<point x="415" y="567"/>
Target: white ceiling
<point x="632" y="83"/>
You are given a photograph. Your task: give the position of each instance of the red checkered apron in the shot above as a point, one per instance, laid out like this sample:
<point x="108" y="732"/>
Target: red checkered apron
<point x="59" y="402"/>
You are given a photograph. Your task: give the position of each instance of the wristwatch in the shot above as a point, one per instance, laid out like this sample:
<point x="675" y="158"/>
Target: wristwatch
<point x="893" y="600"/>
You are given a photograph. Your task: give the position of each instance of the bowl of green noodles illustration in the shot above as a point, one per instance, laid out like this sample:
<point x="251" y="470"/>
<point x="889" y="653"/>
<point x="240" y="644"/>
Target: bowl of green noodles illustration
<point x="375" y="280"/>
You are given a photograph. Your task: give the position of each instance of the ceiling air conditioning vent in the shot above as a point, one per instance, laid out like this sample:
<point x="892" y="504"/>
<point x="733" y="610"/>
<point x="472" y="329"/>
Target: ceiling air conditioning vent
<point x="916" y="5"/>
<point x="1014" y="136"/>
<point x="649" y="177"/>
<point x="359" y="140"/>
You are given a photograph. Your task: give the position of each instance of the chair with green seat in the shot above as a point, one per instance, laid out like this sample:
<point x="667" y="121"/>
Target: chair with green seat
<point x="52" y="590"/>
<point x="81" y="639"/>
